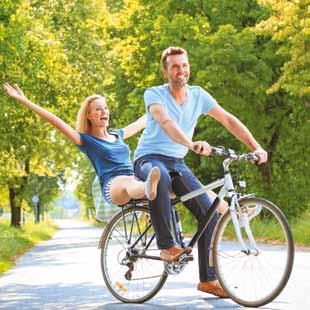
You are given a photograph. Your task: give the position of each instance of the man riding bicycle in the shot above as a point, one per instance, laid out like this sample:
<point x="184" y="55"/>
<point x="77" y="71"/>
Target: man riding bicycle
<point x="172" y="113"/>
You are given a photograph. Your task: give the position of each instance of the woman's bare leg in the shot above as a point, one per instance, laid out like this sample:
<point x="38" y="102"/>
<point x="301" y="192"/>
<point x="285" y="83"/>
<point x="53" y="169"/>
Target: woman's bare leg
<point x="125" y="188"/>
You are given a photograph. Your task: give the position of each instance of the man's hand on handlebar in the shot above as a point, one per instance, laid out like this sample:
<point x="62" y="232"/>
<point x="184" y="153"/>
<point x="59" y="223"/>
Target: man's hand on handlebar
<point x="262" y="155"/>
<point x="202" y="148"/>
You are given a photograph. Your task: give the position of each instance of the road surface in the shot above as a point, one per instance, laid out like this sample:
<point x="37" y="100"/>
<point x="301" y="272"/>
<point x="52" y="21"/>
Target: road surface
<point x="64" y="273"/>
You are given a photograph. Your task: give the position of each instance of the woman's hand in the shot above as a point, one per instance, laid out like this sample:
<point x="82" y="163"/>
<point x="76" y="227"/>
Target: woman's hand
<point x="14" y="92"/>
<point x="17" y="94"/>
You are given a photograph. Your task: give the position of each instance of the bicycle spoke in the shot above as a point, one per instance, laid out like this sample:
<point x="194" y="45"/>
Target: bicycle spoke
<point x="136" y="279"/>
<point x="253" y="280"/>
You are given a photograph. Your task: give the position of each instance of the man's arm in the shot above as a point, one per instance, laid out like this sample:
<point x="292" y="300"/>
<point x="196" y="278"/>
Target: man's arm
<point x="239" y="130"/>
<point x="169" y="126"/>
<point x="175" y="132"/>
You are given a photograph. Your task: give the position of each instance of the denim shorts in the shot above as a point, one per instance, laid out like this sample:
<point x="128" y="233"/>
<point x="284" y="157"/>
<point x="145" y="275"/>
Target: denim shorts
<point x="106" y="191"/>
<point x="106" y="186"/>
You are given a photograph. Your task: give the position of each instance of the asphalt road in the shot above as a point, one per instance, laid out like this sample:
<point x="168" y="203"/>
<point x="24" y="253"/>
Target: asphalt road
<point x="64" y="273"/>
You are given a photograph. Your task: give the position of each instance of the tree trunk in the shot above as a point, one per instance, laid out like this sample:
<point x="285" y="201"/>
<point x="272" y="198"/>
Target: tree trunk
<point x="266" y="169"/>
<point x="15" y="209"/>
<point x="37" y="213"/>
<point x="15" y="196"/>
<point x="43" y="214"/>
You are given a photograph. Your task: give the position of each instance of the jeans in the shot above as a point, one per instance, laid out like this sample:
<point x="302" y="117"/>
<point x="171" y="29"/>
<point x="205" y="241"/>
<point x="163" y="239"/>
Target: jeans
<point x="160" y="208"/>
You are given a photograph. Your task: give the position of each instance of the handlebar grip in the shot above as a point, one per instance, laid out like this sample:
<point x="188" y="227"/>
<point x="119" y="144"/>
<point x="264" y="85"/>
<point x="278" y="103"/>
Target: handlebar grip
<point x="252" y="157"/>
<point x="218" y="150"/>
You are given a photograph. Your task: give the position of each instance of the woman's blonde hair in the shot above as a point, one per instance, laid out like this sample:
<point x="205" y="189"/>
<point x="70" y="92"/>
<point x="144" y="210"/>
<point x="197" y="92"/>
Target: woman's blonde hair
<point x="83" y="124"/>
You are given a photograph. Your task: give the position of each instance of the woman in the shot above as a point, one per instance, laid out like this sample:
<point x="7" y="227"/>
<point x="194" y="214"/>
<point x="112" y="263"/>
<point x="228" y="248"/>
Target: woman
<point x="105" y="149"/>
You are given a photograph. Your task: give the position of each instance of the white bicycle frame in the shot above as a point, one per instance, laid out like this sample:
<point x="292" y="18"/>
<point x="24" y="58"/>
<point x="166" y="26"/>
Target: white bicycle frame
<point x="228" y="191"/>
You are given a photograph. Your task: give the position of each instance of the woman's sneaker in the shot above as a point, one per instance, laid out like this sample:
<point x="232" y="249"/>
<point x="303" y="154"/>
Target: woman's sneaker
<point x="151" y="183"/>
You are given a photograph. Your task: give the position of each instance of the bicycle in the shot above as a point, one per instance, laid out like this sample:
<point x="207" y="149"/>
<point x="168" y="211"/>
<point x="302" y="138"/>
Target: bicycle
<point x="251" y="264"/>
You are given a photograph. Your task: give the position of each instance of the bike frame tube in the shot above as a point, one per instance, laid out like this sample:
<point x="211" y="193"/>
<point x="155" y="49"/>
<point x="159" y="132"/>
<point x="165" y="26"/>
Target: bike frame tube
<point x="208" y="217"/>
<point x="227" y="190"/>
<point x="212" y="209"/>
<point x="141" y="236"/>
<point x="202" y="190"/>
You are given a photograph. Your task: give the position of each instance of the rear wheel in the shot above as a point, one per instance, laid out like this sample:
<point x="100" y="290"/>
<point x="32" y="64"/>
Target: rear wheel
<point x="254" y="280"/>
<point x="131" y="279"/>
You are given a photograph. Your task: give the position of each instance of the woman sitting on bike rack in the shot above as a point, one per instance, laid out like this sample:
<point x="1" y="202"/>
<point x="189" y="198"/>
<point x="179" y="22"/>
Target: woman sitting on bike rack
<point x="105" y="149"/>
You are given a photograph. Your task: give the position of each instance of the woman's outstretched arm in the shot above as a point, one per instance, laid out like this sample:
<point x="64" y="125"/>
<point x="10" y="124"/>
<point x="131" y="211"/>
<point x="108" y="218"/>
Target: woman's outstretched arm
<point x="17" y="94"/>
<point x="135" y="127"/>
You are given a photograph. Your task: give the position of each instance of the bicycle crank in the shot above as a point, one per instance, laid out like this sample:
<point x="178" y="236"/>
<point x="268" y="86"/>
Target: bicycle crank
<point x="178" y="266"/>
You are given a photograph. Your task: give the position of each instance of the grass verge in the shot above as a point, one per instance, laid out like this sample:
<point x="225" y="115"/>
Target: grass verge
<point x="16" y="241"/>
<point x="300" y="228"/>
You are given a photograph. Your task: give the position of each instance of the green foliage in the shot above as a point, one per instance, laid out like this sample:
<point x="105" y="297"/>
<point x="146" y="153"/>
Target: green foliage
<point x="238" y="65"/>
<point x="301" y="229"/>
<point x="4" y="198"/>
<point x="33" y="58"/>
<point x="84" y="189"/>
<point x="250" y="55"/>
<point x="240" y="14"/>
<point x="50" y="60"/>
<point x="288" y="25"/>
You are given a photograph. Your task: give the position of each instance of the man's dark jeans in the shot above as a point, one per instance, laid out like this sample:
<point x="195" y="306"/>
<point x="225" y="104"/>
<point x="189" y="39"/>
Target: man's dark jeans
<point x="161" y="206"/>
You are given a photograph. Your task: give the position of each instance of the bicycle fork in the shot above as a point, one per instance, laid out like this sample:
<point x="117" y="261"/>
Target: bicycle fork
<point x="252" y="248"/>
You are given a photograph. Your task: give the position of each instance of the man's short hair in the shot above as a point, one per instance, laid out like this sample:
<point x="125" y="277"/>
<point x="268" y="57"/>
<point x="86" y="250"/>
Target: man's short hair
<point x="172" y="50"/>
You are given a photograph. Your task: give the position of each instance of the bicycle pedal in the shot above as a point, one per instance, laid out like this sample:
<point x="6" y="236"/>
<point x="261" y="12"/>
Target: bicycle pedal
<point x="189" y="258"/>
<point x="185" y="258"/>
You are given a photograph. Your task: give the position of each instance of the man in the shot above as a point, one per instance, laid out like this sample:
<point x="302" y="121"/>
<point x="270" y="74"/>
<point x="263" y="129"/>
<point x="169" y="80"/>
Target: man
<point x="172" y="113"/>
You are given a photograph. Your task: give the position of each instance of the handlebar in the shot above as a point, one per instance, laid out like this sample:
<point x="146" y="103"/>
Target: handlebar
<point x="229" y="153"/>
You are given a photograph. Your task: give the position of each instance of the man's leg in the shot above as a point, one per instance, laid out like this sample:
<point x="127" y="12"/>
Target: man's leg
<point x="199" y="207"/>
<point x="160" y="207"/>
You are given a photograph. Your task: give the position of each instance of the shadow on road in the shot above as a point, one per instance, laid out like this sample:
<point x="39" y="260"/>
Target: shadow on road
<point x="57" y="296"/>
<point x="67" y="296"/>
<point x="64" y="296"/>
<point x="64" y="273"/>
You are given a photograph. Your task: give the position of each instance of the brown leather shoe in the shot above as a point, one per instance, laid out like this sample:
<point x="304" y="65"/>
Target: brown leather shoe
<point x="212" y="287"/>
<point x="172" y="254"/>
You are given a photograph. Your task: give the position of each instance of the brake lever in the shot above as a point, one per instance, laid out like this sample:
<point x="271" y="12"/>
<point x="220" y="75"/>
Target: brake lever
<point x="252" y="158"/>
<point x="218" y="150"/>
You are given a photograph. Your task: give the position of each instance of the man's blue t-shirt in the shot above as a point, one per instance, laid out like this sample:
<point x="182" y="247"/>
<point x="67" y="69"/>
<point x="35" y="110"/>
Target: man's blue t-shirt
<point x="110" y="159"/>
<point x="154" y="139"/>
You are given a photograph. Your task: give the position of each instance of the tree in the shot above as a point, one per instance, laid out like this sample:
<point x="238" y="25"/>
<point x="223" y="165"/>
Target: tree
<point x="288" y="26"/>
<point x="231" y="59"/>
<point x="83" y="190"/>
<point x="34" y="59"/>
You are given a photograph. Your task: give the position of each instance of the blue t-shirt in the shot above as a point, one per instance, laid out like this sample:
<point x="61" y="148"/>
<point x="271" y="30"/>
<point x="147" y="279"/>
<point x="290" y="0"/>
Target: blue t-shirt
<point x="109" y="159"/>
<point x="154" y="139"/>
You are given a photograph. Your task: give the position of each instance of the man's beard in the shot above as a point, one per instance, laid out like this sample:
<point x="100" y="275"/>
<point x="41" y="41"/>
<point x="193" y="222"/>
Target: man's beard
<point x="179" y="84"/>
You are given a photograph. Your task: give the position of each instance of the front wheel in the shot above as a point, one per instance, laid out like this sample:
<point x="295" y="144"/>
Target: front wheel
<point x="254" y="279"/>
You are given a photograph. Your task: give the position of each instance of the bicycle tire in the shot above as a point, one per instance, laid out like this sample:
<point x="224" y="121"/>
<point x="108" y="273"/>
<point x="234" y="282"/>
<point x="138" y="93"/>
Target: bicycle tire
<point x="123" y="289"/>
<point x="236" y="277"/>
